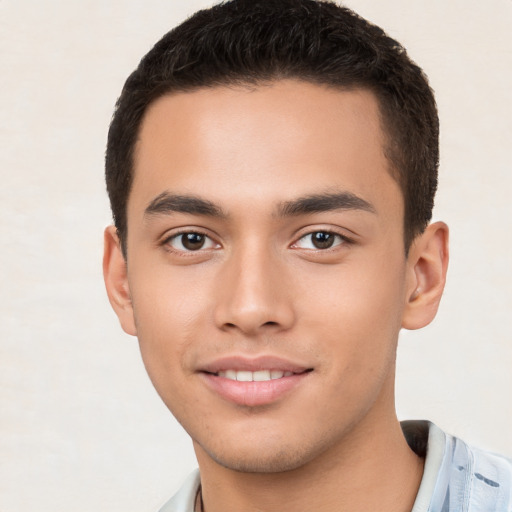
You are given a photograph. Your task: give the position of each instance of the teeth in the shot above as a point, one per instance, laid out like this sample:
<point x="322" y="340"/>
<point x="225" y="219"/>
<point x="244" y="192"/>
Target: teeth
<point x="230" y="374"/>
<point x="261" y="375"/>
<point x="258" y="376"/>
<point x="244" y="376"/>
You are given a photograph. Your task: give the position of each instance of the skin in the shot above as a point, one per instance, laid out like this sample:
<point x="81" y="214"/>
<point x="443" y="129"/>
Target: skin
<point x="260" y="287"/>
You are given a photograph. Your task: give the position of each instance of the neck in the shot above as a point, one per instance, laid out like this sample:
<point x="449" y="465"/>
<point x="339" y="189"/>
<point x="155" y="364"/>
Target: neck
<point x="373" y="468"/>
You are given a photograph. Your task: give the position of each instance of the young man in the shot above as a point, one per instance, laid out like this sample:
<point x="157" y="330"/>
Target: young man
<point x="271" y="167"/>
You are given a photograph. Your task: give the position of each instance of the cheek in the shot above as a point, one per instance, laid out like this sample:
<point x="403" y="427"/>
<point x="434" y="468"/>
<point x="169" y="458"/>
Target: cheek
<point x="358" y="308"/>
<point x="163" y="332"/>
<point x="167" y="300"/>
<point x="168" y="312"/>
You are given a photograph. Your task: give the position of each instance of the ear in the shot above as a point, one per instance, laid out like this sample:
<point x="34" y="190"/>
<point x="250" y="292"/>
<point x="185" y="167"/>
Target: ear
<point x="427" y="263"/>
<point x="116" y="280"/>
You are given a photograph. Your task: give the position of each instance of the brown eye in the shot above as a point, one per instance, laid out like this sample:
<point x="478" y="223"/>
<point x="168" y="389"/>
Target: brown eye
<point x="191" y="241"/>
<point x="322" y="240"/>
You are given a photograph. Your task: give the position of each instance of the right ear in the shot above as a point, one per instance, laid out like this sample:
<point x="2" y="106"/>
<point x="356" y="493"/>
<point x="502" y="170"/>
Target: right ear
<point x="115" y="275"/>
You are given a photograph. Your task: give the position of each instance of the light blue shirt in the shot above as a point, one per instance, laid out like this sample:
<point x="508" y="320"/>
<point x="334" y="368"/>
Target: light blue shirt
<point x="456" y="478"/>
<point x="460" y="478"/>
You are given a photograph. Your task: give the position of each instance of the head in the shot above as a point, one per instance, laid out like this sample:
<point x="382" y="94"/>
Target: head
<point x="251" y="42"/>
<point x="267" y="164"/>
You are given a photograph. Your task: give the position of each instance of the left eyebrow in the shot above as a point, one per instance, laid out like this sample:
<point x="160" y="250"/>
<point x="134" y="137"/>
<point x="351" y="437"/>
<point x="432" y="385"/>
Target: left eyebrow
<point x="318" y="203"/>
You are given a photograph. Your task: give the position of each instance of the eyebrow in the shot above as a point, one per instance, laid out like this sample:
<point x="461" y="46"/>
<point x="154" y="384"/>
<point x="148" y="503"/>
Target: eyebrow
<point x="167" y="203"/>
<point x="317" y="203"/>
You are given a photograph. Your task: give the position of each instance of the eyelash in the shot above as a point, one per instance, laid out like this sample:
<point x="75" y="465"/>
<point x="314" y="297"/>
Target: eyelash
<point x="175" y="236"/>
<point x="341" y="240"/>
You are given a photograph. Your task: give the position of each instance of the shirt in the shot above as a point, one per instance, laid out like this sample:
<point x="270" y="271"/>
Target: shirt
<point x="456" y="478"/>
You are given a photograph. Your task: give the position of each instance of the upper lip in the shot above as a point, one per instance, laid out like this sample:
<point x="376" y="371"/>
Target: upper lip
<point x="253" y="364"/>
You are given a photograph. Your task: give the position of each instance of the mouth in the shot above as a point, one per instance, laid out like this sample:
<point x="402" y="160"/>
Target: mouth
<point x="254" y="382"/>
<point x="257" y="376"/>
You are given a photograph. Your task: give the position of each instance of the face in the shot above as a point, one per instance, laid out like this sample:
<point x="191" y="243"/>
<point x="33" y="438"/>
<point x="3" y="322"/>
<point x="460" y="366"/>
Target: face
<point x="266" y="269"/>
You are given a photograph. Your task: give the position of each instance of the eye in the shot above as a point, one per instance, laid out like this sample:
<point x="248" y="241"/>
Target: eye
<point x="190" y="241"/>
<point x="320" y="240"/>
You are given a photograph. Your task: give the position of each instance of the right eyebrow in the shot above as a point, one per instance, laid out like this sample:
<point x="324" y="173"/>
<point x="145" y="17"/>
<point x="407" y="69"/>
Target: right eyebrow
<point x="167" y="203"/>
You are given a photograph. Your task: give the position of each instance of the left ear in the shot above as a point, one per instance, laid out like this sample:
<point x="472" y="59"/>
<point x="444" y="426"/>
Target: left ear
<point x="427" y="263"/>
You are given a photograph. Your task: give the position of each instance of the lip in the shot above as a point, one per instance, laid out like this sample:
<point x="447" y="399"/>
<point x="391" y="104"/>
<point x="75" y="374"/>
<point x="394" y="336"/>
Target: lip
<point x="253" y="394"/>
<point x="252" y="364"/>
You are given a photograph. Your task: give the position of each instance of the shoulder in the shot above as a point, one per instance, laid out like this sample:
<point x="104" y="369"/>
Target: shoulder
<point x="461" y="477"/>
<point x="489" y="478"/>
<point x="184" y="499"/>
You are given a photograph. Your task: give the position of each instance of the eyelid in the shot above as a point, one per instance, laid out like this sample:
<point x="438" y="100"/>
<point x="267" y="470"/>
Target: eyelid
<point x="302" y="233"/>
<point x="174" y="234"/>
<point x="345" y="239"/>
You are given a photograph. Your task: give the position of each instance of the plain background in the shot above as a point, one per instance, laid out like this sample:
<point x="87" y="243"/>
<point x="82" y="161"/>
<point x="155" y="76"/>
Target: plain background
<point x="81" y="428"/>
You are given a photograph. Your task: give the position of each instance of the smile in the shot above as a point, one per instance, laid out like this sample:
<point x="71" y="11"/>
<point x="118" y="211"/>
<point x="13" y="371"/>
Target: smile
<point x="257" y="376"/>
<point x="253" y="382"/>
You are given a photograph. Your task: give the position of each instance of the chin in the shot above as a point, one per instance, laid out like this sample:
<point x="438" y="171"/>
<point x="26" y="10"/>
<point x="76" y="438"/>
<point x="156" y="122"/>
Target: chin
<point x="261" y="460"/>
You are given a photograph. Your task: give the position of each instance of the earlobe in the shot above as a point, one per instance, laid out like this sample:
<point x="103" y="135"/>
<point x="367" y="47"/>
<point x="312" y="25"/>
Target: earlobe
<point x="427" y="266"/>
<point x="116" y="280"/>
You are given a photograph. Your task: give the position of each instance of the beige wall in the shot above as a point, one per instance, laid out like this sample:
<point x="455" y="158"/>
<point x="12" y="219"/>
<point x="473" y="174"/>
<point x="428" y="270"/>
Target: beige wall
<point x="81" y="428"/>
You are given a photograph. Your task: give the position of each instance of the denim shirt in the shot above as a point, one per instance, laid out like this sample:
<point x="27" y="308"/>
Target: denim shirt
<point x="456" y="478"/>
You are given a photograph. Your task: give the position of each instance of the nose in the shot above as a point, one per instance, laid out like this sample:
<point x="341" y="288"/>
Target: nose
<point x="254" y="297"/>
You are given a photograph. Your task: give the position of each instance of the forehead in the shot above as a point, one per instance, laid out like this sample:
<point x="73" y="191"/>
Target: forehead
<point x="286" y="138"/>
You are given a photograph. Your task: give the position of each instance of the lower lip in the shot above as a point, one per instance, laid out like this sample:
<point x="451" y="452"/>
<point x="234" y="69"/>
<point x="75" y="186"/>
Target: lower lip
<point x="252" y="394"/>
